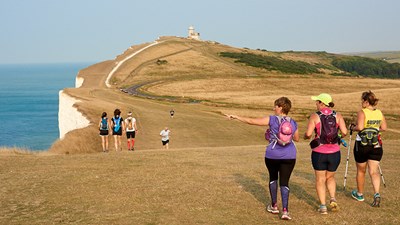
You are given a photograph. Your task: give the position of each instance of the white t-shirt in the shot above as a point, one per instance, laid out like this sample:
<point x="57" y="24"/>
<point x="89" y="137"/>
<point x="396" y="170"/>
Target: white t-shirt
<point x="133" y="121"/>
<point x="165" y="135"/>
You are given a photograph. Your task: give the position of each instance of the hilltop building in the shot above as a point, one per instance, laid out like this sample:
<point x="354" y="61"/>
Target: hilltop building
<point x="192" y="34"/>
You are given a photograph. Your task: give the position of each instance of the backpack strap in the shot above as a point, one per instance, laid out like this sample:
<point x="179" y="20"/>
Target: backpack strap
<point x="319" y="113"/>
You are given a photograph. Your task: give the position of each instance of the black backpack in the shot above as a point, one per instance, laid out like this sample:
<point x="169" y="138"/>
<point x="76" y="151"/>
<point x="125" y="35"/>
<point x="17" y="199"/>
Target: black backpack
<point x="329" y="130"/>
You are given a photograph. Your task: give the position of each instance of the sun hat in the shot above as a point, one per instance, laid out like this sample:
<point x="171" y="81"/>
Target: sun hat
<point x="323" y="97"/>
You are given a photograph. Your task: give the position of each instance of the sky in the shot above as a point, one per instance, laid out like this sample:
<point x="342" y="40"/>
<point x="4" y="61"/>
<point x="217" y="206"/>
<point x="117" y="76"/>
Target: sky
<point x="58" y="31"/>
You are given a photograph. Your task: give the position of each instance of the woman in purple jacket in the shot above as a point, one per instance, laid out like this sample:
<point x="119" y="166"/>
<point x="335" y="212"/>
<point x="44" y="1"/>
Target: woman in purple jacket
<point x="280" y="155"/>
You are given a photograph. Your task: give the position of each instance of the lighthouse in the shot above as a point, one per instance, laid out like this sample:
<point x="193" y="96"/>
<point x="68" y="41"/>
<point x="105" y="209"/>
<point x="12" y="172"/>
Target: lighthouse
<point x="192" y="34"/>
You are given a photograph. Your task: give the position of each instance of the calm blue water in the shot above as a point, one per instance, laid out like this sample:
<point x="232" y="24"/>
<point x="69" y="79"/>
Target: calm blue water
<point x="29" y="102"/>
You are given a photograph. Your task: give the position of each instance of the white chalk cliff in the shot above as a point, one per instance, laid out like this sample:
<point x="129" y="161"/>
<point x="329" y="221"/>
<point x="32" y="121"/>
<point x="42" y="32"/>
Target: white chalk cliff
<point x="79" y="81"/>
<point x="69" y="118"/>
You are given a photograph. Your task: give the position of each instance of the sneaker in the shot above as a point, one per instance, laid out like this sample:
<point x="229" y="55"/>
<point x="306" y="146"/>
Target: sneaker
<point x="357" y="197"/>
<point x="323" y="210"/>
<point x="333" y="205"/>
<point x="273" y="209"/>
<point x="377" y="200"/>
<point x="285" y="215"/>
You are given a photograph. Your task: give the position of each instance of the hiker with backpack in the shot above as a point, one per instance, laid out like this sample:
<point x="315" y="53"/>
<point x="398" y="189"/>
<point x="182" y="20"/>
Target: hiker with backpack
<point x="118" y="126"/>
<point x="131" y="130"/>
<point x="104" y="125"/>
<point x="280" y="155"/>
<point x="325" y="147"/>
<point x="368" y="146"/>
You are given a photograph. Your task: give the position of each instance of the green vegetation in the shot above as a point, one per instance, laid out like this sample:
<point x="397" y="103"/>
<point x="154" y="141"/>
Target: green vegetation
<point x="273" y="63"/>
<point x="161" y="61"/>
<point x="367" y="67"/>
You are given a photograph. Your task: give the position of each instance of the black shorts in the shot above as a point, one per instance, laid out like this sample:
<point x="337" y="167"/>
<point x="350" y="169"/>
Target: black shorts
<point x="119" y="132"/>
<point x="165" y="142"/>
<point x="103" y="132"/>
<point x="130" y="134"/>
<point x="329" y="162"/>
<point x="365" y="153"/>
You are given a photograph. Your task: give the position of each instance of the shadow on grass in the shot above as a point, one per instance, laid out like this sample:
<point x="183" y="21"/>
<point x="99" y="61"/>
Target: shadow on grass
<point x="298" y="191"/>
<point x="305" y="175"/>
<point x="253" y="187"/>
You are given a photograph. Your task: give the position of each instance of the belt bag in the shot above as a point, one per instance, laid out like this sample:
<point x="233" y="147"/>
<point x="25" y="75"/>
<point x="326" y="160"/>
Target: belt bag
<point x="369" y="136"/>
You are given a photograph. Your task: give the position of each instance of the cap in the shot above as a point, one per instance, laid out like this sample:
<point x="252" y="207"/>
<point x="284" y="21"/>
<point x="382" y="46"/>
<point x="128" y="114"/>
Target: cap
<point x="129" y="113"/>
<point x="323" y="97"/>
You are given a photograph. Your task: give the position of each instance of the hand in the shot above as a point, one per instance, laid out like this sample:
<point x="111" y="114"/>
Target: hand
<point x="352" y="127"/>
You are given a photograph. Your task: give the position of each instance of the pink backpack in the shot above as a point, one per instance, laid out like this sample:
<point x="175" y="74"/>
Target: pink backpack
<point x="285" y="132"/>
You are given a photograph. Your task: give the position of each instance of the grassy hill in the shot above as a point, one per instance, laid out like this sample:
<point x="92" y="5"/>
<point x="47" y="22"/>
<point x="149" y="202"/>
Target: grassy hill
<point x="214" y="172"/>
<point x="389" y="56"/>
<point x="200" y="85"/>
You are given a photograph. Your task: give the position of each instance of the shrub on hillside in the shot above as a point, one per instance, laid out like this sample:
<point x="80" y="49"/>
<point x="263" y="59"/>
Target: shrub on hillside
<point x="367" y="67"/>
<point x="272" y="63"/>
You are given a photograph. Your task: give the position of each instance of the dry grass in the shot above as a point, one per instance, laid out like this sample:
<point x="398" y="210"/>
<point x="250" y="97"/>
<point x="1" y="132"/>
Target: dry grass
<point x="222" y="185"/>
<point x="214" y="172"/>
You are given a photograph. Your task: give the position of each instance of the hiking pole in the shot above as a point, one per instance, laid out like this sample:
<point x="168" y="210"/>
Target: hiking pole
<point x="380" y="171"/>
<point x="348" y="156"/>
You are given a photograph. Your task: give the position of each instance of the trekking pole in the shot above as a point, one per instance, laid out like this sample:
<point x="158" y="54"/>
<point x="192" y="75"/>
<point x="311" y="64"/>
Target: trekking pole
<point x="380" y="171"/>
<point x="348" y="156"/>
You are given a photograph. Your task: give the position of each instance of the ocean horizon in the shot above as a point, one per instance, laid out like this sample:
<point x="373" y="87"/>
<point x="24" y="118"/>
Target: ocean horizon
<point x="29" y="99"/>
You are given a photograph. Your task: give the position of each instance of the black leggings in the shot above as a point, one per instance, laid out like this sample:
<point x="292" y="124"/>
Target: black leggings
<point x="281" y="168"/>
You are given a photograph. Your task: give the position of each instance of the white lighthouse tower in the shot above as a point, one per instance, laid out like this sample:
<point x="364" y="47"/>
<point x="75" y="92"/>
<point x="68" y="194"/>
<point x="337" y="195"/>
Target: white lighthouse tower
<point x="193" y="34"/>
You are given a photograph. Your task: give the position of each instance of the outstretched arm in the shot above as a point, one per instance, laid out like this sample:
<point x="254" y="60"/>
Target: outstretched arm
<point x="261" y="121"/>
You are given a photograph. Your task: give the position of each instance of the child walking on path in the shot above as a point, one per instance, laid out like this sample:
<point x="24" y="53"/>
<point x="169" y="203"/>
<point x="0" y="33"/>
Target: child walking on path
<point x="368" y="149"/>
<point x="131" y="131"/>
<point x="325" y="147"/>
<point x="280" y="155"/>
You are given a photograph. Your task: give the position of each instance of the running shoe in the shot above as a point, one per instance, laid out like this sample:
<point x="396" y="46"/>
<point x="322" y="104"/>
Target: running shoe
<point x="273" y="209"/>
<point x="333" y="205"/>
<point x="285" y="215"/>
<point x="323" y="210"/>
<point x="377" y="200"/>
<point x="357" y="197"/>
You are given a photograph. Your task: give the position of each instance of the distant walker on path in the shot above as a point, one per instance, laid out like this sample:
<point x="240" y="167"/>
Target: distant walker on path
<point x="165" y="137"/>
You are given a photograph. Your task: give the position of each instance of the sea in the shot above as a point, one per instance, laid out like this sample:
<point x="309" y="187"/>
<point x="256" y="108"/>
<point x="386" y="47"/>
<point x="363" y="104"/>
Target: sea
<point x="29" y="102"/>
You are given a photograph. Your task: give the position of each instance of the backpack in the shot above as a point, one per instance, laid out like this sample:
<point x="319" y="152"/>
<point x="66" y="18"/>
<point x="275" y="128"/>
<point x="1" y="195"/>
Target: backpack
<point x="104" y="124"/>
<point x="130" y="124"/>
<point x="117" y="124"/>
<point x="285" y="132"/>
<point x="329" y="130"/>
<point x="369" y="136"/>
